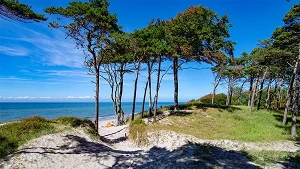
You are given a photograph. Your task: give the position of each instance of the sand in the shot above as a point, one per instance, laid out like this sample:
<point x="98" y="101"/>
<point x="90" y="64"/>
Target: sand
<point x="75" y="149"/>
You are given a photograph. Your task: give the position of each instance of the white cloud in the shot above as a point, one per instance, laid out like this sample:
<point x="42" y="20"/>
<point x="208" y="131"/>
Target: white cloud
<point x="52" y="50"/>
<point x="79" y="97"/>
<point x="11" y="78"/>
<point x="46" y="97"/>
<point x="14" y="51"/>
<point x="68" y="73"/>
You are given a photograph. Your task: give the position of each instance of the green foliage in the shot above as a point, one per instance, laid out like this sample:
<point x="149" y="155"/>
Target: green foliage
<point x="73" y="121"/>
<point x="90" y="25"/>
<point x="243" y="99"/>
<point x="137" y="131"/>
<point x="199" y="34"/>
<point x="14" y="10"/>
<point x="219" y="99"/>
<point x="15" y="134"/>
<point x="286" y="37"/>
<point x="233" y="123"/>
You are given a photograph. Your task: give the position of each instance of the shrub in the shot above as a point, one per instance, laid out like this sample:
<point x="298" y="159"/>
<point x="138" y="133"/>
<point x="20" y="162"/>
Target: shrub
<point x="73" y="121"/>
<point x="219" y="99"/>
<point x="15" y="134"/>
<point x="137" y="132"/>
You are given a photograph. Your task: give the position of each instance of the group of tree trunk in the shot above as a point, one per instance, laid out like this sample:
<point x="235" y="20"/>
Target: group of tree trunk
<point x="195" y="35"/>
<point x="272" y="68"/>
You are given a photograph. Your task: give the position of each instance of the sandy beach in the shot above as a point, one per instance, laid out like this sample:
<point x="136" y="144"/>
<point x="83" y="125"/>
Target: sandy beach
<point x="166" y="149"/>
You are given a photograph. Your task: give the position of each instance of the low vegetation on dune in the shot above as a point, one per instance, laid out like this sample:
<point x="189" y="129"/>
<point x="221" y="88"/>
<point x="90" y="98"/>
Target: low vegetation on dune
<point x="219" y="122"/>
<point x="266" y="157"/>
<point x="15" y="134"/>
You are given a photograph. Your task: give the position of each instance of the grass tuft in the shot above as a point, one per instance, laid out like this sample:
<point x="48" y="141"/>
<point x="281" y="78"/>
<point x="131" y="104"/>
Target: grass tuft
<point x="73" y="121"/>
<point x="15" y="134"/>
<point x="232" y="123"/>
<point x="289" y="159"/>
<point x="138" y="132"/>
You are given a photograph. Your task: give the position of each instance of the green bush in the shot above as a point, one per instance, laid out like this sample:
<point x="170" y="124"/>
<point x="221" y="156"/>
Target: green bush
<point x="73" y="121"/>
<point x="137" y="131"/>
<point x="15" y="134"/>
<point x="220" y="99"/>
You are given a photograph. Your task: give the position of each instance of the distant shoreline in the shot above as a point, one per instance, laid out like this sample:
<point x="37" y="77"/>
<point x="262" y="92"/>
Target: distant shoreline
<point x="15" y="111"/>
<point x="79" y="102"/>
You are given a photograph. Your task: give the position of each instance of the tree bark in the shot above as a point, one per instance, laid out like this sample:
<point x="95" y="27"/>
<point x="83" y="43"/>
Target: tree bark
<point x="250" y="91"/>
<point x="175" y="72"/>
<point x="267" y="105"/>
<point x="240" y="92"/>
<point x="278" y="95"/>
<point x="134" y="91"/>
<point x="157" y="87"/>
<point x="289" y="98"/>
<point x="229" y="93"/>
<point x="216" y="83"/>
<point x="97" y="100"/>
<point x="144" y="98"/>
<point x="275" y="92"/>
<point x="150" y="91"/>
<point x="296" y="105"/>
<point x="261" y="88"/>
<point x="120" y="110"/>
<point x="253" y="94"/>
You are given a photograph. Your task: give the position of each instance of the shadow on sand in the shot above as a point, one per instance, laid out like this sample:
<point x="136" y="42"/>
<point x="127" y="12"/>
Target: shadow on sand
<point x="190" y="155"/>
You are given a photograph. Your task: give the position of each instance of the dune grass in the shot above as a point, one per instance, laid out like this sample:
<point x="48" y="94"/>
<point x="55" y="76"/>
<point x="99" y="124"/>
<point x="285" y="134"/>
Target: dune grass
<point x="290" y="159"/>
<point x="232" y="123"/>
<point x="15" y="134"/>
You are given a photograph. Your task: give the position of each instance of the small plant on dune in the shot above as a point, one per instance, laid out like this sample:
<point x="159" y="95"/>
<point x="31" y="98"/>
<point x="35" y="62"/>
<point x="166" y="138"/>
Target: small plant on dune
<point x="137" y="131"/>
<point x="15" y="134"/>
<point x="73" y="121"/>
<point x="292" y="159"/>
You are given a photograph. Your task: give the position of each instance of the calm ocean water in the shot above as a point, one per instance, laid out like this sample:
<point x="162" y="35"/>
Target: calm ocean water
<point x="17" y="111"/>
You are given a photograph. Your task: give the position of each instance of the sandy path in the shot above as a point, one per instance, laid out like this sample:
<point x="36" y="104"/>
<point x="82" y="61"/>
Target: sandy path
<point x="74" y="149"/>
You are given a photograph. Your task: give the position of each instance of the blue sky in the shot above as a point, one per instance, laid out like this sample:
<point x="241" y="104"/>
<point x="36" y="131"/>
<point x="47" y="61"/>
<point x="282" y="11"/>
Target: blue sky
<point x="40" y="64"/>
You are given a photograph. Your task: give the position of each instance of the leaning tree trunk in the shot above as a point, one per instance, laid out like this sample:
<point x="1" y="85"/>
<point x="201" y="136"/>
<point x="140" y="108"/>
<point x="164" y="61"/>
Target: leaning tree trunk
<point x="157" y="87"/>
<point x="150" y="92"/>
<point x="240" y="92"/>
<point x="296" y="105"/>
<point x="120" y="111"/>
<point x="289" y="98"/>
<point x="97" y="99"/>
<point x="134" y="91"/>
<point x="278" y="96"/>
<point x="175" y="72"/>
<point x="250" y="90"/>
<point x="275" y="92"/>
<point x="253" y="94"/>
<point x="216" y="83"/>
<point x="267" y="105"/>
<point x="261" y="88"/>
<point x="144" y="98"/>
<point x="295" y="108"/>
<point x="229" y="93"/>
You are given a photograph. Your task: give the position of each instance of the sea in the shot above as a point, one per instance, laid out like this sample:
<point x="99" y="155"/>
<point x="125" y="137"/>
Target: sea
<point x="15" y="111"/>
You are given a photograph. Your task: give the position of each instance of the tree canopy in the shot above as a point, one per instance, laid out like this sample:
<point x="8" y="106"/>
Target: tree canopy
<point x="12" y="9"/>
